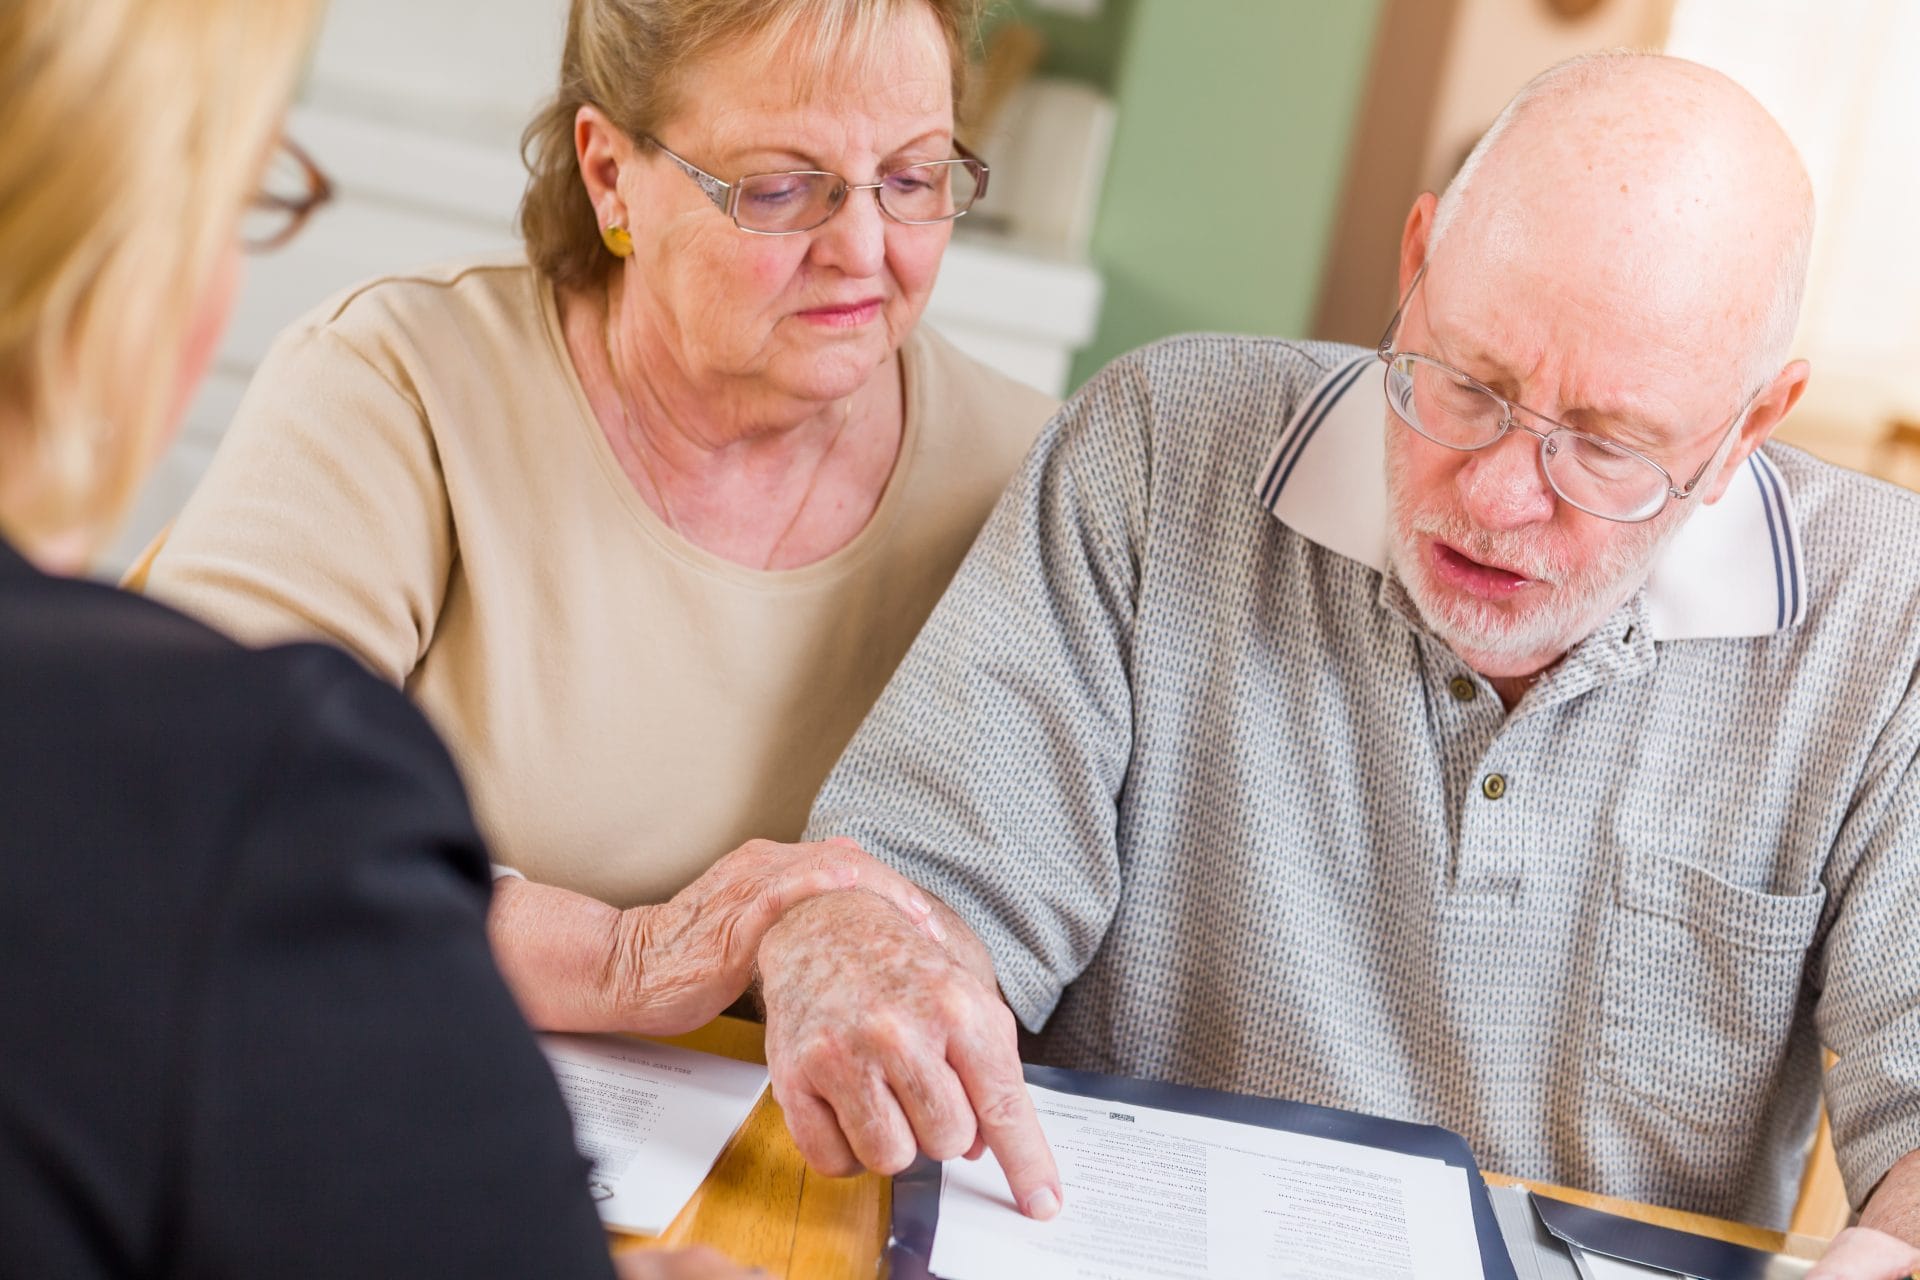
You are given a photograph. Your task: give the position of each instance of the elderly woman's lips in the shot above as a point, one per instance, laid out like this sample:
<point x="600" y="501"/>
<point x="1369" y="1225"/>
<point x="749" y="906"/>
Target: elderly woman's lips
<point x="1463" y="573"/>
<point x="843" y="315"/>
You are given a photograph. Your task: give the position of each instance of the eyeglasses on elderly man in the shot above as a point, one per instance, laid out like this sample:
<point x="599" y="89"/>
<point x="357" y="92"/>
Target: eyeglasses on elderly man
<point x="1601" y="477"/>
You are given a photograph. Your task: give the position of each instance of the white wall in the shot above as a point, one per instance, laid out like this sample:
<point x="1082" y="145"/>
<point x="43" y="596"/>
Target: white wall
<point x="1839" y="76"/>
<point x="467" y="68"/>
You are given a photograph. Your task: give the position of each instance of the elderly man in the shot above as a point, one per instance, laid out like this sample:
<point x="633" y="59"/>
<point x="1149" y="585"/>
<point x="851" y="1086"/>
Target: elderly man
<point x="1480" y="731"/>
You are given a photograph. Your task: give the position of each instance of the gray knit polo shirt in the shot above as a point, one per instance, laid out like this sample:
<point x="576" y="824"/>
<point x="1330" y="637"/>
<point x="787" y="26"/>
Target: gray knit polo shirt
<point x="1226" y="813"/>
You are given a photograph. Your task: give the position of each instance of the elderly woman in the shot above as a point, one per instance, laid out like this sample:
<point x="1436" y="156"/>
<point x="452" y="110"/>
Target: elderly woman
<point x="646" y="520"/>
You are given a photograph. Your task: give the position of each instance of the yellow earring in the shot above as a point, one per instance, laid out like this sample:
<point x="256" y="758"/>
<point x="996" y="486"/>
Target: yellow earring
<point x="619" y="243"/>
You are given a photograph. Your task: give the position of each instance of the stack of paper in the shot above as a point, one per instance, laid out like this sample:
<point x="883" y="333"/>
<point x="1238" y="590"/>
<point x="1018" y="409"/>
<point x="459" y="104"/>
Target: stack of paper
<point x="1162" y="1195"/>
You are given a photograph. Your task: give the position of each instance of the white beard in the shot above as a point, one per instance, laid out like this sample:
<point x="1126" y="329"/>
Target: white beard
<point x="1524" y="633"/>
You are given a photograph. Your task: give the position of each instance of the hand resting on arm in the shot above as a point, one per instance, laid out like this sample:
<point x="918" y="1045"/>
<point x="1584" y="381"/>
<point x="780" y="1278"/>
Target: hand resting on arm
<point x="576" y="964"/>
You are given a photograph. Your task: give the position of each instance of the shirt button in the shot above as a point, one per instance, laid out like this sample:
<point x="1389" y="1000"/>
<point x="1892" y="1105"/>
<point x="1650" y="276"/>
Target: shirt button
<point x="1462" y="689"/>
<point x="1493" y="786"/>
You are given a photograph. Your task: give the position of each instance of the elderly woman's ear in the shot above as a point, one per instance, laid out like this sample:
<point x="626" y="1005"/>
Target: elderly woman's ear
<point x="604" y="151"/>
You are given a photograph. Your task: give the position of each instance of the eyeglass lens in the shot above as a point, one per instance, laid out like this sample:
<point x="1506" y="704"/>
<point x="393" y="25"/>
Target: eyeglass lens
<point x="1601" y="478"/>
<point x="785" y="202"/>
<point x="290" y="189"/>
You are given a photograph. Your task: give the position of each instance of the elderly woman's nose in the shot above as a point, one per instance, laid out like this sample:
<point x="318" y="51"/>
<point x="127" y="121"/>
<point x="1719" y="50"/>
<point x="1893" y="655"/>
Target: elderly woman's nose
<point x="1503" y="486"/>
<point x="855" y="238"/>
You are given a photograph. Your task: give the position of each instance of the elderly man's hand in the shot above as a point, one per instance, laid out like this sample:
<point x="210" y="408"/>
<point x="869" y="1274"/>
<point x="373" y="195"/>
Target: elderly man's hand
<point x="881" y="1044"/>
<point x="577" y="964"/>
<point x="1861" y="1253"/>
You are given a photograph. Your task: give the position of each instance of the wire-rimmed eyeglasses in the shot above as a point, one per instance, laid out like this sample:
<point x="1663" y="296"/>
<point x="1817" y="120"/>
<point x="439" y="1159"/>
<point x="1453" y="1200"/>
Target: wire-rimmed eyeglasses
<point x="290" y="190"/>
<point x="786" y="204"/>
<point x="1596" y="475"/>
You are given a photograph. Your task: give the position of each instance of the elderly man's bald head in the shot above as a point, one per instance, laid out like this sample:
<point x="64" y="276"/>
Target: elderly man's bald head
<point x="1649" y="176"/>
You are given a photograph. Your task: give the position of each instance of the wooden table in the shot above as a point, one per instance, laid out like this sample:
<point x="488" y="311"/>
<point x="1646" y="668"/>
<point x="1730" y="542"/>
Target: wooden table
<point x="763" y="1207"/>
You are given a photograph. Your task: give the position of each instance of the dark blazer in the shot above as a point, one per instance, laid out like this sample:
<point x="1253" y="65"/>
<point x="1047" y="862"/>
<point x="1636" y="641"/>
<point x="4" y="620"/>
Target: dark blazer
<point x="249" y="1025"/>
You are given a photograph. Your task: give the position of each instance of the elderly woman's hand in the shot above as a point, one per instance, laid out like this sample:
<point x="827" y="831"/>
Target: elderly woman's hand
<point x="577" y="964"/>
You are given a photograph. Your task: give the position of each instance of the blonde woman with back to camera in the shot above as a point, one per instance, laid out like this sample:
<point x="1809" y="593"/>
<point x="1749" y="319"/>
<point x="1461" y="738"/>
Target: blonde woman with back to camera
<point x="645" y="519"/>
<point x="252" y="1025"/>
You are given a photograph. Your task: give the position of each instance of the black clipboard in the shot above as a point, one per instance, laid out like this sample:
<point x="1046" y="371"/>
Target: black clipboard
<point x="916" y="1192"/>
<point x="1664" y="1248"/>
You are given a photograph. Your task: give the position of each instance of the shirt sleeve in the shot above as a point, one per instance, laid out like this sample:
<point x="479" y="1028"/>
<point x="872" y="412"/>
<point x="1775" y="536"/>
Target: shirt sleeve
<point x="324" y="514"/>
<point x="364" y="1097"/>
<point x="990" y="768"/>
<point x="1868" y="966"/>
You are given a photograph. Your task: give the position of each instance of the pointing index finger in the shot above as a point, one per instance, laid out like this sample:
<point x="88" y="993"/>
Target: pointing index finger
<point x="1010" y="1127"/>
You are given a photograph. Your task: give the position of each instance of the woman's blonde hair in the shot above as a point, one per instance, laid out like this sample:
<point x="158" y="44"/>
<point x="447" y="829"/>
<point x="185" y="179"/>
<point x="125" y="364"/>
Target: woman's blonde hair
<point x="620" y="56"/>
<point x="131" y="134"/>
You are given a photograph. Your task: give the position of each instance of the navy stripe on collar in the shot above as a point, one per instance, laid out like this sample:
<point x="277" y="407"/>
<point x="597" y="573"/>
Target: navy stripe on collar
<point x="1295" y="441"/>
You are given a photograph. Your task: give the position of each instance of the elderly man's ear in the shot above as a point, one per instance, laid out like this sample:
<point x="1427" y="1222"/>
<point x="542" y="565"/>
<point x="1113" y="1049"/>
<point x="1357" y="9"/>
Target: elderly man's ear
<point x="1413" y="238"/>
<point x="1774" y="404"/>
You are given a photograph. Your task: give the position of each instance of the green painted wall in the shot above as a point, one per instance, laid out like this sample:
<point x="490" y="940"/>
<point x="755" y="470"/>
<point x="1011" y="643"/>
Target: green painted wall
<point x="1228" y="158"/>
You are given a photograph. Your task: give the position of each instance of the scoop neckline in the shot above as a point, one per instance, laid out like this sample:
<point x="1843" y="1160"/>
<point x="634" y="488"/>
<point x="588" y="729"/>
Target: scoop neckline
<point x="676" y="545"/>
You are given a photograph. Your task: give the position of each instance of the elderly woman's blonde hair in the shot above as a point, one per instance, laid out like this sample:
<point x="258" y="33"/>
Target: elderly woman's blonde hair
<point x="620" y="56"/>
<point x="131" y="134"/>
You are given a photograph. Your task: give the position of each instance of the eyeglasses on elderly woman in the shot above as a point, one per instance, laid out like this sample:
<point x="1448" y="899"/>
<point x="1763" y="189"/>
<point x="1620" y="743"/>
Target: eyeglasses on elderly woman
<point x="785" y="204"/>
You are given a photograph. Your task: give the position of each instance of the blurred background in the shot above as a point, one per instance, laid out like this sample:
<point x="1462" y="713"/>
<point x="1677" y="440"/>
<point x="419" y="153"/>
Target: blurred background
<point x="1159" y="166"/>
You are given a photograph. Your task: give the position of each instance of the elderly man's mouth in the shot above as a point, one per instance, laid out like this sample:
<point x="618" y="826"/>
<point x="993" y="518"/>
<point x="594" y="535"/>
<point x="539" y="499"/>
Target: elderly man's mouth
<point x="1463" y="573"/>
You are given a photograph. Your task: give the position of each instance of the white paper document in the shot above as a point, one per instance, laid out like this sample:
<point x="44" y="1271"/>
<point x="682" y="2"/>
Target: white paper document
<point x="653" y="1118"/>
<point x="1159" y="1195"/>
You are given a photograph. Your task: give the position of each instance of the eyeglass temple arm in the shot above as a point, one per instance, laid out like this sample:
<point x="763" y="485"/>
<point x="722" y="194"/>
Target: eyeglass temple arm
<point x="1385" y="348"/>
<point x="721" y="193"/>
<point x="1686" y="490"/>
<point x="982" y="169"/>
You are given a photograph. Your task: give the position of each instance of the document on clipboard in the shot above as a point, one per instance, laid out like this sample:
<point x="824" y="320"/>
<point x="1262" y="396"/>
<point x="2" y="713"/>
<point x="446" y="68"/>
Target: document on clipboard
<point x="1162" y="1182"/>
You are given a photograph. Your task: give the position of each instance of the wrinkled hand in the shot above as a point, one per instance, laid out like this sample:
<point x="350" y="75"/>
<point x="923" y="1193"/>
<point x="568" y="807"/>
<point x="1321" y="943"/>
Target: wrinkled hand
<point x="697" y="1263"/>
<point x="881" y="1044"/>
<point x="1861" y="1253"/>
<point x="677" y="964"/>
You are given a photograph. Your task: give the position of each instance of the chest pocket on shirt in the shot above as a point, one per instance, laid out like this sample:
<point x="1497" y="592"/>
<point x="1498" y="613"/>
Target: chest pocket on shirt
<point x="1701" y="984"/>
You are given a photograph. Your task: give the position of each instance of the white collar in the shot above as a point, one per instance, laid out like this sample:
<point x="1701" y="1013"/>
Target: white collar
<point x="1734" y="569"/>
